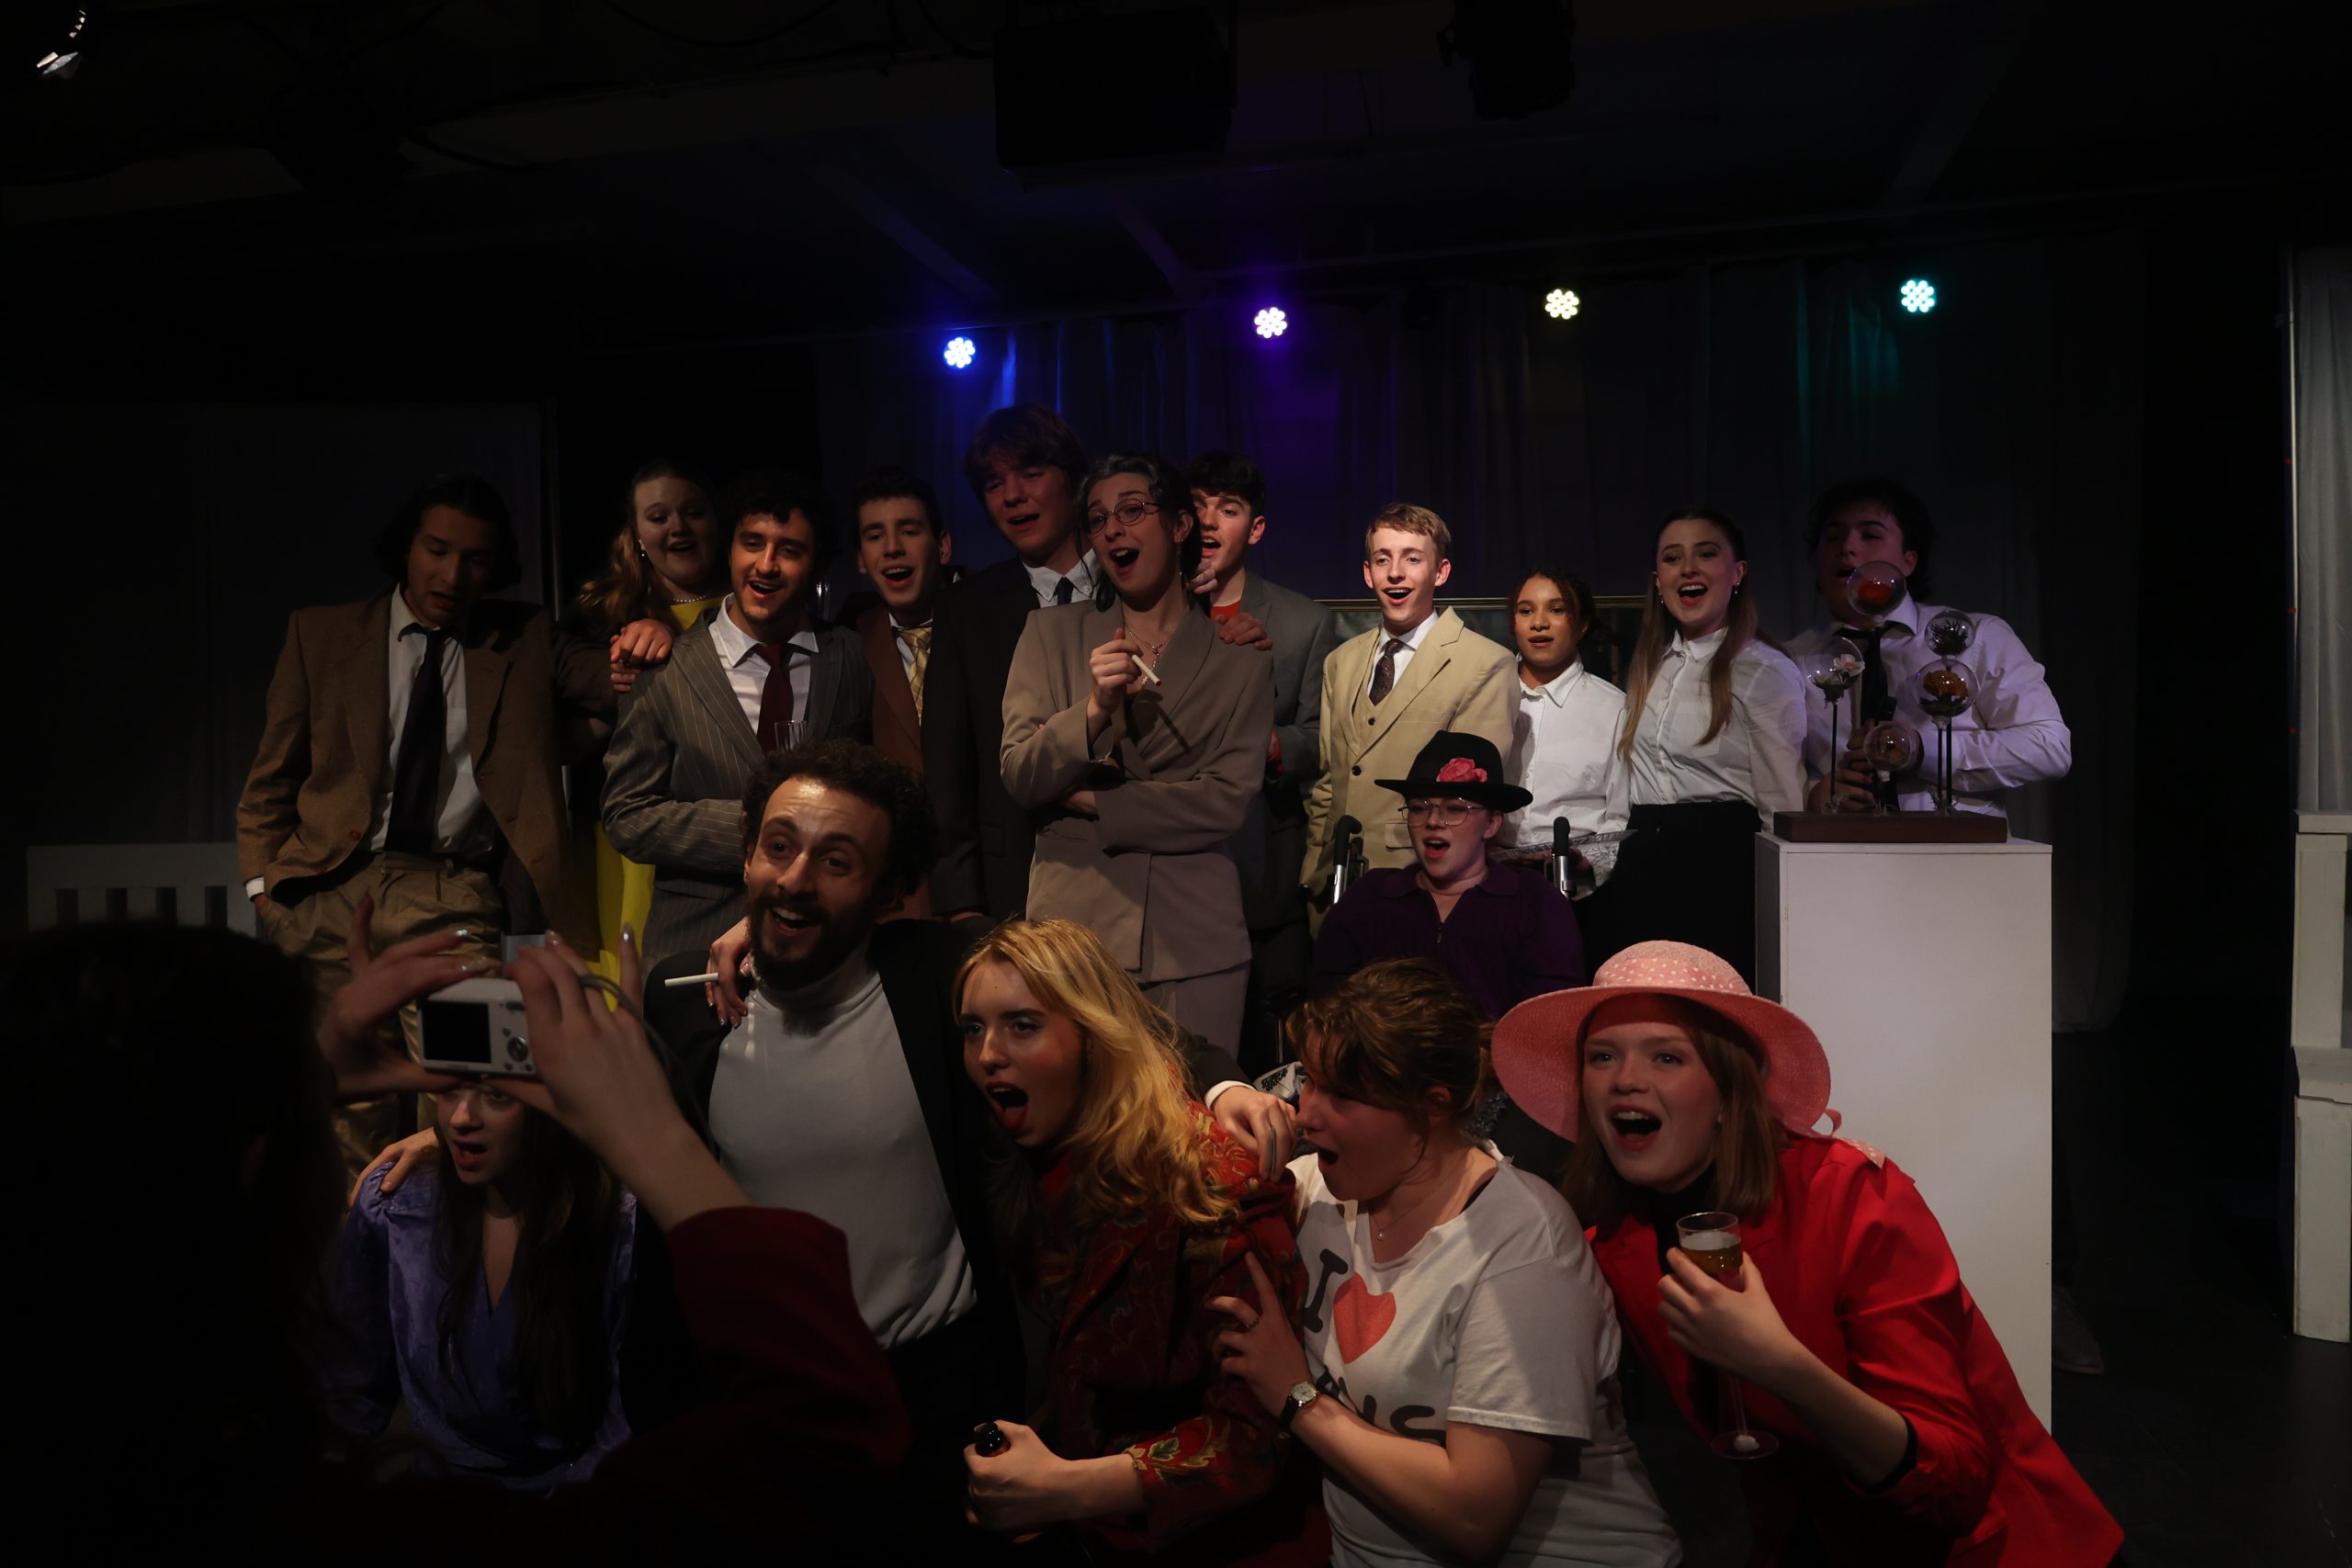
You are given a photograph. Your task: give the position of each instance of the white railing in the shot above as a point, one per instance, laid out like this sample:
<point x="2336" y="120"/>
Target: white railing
<point x="190" y="885"/>
<point x="2320" y="1032"/>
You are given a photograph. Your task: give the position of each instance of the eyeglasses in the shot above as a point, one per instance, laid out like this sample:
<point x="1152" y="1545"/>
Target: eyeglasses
<point x="1129" y="512"/>
<point x="1439" y="813"/>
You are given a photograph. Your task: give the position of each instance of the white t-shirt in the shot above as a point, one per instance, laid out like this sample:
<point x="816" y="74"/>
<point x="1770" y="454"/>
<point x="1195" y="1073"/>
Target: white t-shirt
<point x="1499" y="1318"/>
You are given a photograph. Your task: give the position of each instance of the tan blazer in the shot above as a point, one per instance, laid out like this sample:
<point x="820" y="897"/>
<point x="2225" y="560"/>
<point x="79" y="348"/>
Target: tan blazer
<point x="897" y="734"/>
<point x="1456" y="679"/>
<point x="325" y="754"/>
<point x="1173" y="775"/>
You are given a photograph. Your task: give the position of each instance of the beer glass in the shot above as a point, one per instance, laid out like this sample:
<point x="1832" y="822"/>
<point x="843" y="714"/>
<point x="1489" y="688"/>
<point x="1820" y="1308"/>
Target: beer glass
<point x="1712" y="1241"/>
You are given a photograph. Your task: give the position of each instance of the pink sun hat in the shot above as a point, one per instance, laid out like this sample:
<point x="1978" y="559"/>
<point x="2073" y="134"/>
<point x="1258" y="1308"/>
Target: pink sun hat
<point x="1538" y="1046"/>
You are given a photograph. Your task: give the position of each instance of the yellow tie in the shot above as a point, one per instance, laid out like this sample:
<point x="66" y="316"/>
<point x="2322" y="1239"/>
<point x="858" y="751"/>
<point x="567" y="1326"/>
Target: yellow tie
<point x="919" y="640"/>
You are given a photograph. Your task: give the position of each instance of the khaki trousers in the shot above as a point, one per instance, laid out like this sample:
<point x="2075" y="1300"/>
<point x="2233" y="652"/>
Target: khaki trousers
<point x="1208" y="1005"/>
<point x="415" y="896"/>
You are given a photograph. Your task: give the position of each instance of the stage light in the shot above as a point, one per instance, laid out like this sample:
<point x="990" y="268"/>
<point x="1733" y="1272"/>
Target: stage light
<point x="1271" y="323"/>
<point x="57" y="52"/>
<point x="960" y="353"/>
<point x="1562" y="304"/>
<point x="1918" y="296"/>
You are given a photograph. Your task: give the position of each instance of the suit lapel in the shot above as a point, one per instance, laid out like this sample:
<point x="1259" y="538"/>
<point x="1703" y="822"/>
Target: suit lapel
<point x="893" y="698"/>
<point x="1153" y="730"/>
<point x="697" y="658"/>
<point x="368" y="686"/>
<point x="486" y="661"/>
<point x="1435" y="652"/>
<point x="824" y="679"/>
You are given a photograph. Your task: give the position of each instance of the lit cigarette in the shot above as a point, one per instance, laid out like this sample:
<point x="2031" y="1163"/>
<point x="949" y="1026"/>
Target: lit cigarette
<point x="689" y="980"/>
<point x="1139" y="664"/>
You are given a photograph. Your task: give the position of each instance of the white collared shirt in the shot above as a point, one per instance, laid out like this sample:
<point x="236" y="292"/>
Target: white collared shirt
<point x="2012" y="733"/>
<point x="813" y="1108"/>
<point x="1044" y="580"/>
<point x="747" y="672"/>
<point x="458" y="827"/>
<point x="1757" y="755"/>
<point x="1563" y="752"/>
<point x="1412" y="642"/>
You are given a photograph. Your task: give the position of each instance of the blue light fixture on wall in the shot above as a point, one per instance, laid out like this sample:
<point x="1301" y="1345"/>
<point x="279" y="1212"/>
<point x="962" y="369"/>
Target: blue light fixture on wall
<point x="959" y="352"/>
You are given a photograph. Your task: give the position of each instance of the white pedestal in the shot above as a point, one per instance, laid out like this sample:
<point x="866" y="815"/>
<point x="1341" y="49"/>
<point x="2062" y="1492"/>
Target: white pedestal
<point x="1925" y="968"/>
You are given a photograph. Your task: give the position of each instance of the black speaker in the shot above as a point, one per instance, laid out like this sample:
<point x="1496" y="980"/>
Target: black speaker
<point x="1151" y="85"/>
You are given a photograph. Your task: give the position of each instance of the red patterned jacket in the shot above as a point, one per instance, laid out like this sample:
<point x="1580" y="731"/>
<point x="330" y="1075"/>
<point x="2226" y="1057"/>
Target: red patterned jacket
<point x="1862" y="1275"/>
<point x="1133" y="1368"/>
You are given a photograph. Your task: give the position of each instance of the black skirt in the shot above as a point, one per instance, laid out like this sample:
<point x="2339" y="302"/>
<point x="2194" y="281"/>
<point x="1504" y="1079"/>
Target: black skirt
<point x="1688" y="874"/>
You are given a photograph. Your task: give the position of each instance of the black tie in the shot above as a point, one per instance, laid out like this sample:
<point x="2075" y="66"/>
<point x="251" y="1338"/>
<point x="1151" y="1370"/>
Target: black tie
<point x="1383" y="675"/>
<point x="1878" y="703"/>
<point x="413" y="828"/>
<point x="1062" y="591"/>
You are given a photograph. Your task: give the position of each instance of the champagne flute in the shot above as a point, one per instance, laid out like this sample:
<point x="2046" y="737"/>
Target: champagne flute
<point x="1712" y="1241"/>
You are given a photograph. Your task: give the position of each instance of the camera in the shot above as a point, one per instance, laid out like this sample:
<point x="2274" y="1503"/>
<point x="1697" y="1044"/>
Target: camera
<point x="475" y="1027"/>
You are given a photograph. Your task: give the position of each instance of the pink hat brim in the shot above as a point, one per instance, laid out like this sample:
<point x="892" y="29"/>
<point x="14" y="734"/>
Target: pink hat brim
<point x="1538" y="1058"/>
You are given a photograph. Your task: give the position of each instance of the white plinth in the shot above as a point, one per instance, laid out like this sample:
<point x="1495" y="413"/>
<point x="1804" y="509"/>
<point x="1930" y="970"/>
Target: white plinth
<point x="1925" y="968"/>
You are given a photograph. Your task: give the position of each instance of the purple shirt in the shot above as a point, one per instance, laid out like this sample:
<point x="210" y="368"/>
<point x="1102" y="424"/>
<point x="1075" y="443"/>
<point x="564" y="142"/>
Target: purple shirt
<point x="1512" y="937"/>
<point x="467" y="1408"/>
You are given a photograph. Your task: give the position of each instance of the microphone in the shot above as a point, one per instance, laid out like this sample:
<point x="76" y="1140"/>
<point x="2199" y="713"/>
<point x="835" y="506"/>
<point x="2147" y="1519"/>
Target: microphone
<point x="1561" y="852"/>
<point x="1346" y="835"/>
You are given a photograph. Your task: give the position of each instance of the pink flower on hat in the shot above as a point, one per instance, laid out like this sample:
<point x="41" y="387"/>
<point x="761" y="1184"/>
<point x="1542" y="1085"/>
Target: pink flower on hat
<point x="1462" y="769"/>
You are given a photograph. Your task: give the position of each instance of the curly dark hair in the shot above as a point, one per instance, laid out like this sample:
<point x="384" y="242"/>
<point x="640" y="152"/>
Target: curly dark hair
<point x="892" y="788"/>
<point x="778" y="493"/>
<point x="1910" y="515"/>
<point x="889" y="484"/>
<point x="1228" y="473"/>
<point x="468" y="493"/>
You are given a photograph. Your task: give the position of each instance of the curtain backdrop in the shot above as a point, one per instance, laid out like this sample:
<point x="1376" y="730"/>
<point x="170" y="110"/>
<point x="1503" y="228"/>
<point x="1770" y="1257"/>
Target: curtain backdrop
<point x="2323" y="528"/>
<point x="2014" y="408"/>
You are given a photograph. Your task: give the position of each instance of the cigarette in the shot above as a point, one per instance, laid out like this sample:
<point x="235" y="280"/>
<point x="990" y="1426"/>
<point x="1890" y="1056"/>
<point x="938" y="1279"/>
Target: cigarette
<point x="1139" y="664"/>
<point x="689" y="980"/>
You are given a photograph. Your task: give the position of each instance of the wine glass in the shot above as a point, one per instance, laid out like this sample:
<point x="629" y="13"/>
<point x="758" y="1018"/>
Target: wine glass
<point x="1712" y="1241"/>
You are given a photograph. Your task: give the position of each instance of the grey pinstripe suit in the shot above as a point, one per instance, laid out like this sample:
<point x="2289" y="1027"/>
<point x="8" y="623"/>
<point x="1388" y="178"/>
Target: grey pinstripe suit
<point x="675" y="770"/>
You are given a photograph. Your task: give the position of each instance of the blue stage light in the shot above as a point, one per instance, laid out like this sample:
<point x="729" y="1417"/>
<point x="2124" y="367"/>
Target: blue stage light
<point x="1918" y="296"/>
<point x="960" y="353"/>
<point x="1271" y="323"/>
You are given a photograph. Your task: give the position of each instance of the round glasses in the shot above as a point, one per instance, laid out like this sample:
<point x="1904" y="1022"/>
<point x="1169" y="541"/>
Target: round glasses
<point x="1439" y="813"/>
<point x="1128" y="513"/>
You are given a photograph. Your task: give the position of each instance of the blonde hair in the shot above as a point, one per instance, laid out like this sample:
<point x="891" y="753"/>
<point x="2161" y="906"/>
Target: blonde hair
<point x="1136" y="1139"/>
<point x="1748" y="1139"/>
<point x="1407" y="518"/>
<point x="1658" y="634"/>
<point x="627" y="590"/>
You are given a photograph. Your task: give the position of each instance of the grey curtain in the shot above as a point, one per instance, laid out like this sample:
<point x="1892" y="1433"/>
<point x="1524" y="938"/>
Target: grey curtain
<point x="2323" y="528"/>
<point x="2014" y="408"/>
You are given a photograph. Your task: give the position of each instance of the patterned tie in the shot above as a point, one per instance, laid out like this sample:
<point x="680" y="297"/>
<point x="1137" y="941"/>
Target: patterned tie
<point x="1062" y="591"/>
<point x="918" y="641"/>
<point x="412" y="827"/>
<point x="775" y="697"/>
<point x="1383" y="675"/>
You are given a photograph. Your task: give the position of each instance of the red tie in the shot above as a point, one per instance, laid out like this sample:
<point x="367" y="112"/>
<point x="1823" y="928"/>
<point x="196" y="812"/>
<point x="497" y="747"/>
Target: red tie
<point x="775" y="697"/>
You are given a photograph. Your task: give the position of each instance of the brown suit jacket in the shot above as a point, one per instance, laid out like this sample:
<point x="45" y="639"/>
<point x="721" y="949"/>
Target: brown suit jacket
<point x="1173" y="776"/>
<point x="1456" y="679"/>
<point x="897" y="734"/>
<point x="309" y="801"/>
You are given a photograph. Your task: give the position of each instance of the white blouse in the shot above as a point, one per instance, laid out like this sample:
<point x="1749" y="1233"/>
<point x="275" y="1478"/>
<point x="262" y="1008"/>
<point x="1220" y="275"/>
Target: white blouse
<point x="1563" y="753"/>
<point x="1758" y="754"/>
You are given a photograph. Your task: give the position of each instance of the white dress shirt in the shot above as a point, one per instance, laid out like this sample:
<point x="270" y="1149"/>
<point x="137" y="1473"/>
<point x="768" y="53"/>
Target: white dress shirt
<point x="2012" y="733"/>
<point x="1563" y="752"/>
<point x="1412" y="640"/>
<point x="1757" y="755"/>
<point x="813" y="1109"/>
<point x="747" y="672"/>
<point x="1044" y="580"/>
<point x="458" y="827"/>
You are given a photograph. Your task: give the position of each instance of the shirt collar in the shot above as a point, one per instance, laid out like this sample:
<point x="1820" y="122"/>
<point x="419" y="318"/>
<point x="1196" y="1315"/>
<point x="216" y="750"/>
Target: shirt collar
<point x="1556" y="689"/>
<point x="1414" y="639"/>
<point x="1082" y="578"/>
<point x="735" y="644"/>
<point x="403" y="617"/>
<point x="1702" y="650"/>
<point x="1905" y="617"/>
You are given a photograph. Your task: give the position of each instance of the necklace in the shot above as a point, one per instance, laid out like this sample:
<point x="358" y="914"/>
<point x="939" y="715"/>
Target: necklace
<point x="1157" y="647"/>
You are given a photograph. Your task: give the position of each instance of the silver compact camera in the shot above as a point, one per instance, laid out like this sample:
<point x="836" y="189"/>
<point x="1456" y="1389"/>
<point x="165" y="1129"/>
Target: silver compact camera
<point x="475" y="1027"/>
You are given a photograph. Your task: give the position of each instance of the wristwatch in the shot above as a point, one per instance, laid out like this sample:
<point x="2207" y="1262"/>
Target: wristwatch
<point x="1301" y="1395"/>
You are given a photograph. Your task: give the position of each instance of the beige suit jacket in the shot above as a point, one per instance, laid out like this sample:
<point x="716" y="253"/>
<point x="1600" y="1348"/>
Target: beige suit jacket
<point x="1173" y="776"/>
<point x="310" y="799"/>
<point x="1456" y="679"/>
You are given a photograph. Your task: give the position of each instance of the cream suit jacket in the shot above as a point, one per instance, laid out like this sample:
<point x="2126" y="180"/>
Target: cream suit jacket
<point x="1456" y="679"/>
<point x="1173" y="775"/>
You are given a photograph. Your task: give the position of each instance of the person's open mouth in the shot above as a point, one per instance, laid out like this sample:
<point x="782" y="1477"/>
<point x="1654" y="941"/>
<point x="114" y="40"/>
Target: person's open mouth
<point x="1633" y="1130"/>
<point x="763" y="592"/>
<point x="1124" y="558"/>
<point x="1011" y="1106"/>
<point x="1691" y="593"/>
<point x="1397" y="595"/>
<point x="791" y="924"/>
<point x="1019" y="522"/>
<point x="468" y="1156"/>
<point x="897" y="576"/>
<point x="1435" y="849"/>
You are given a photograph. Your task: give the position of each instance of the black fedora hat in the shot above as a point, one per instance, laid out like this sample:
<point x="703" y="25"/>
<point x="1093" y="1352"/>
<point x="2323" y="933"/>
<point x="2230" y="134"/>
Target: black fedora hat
<point x="1455" y="766"/>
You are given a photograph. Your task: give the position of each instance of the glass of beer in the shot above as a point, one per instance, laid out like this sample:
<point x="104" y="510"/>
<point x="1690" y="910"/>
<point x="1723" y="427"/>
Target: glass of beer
<point x="1712" y="1241"/>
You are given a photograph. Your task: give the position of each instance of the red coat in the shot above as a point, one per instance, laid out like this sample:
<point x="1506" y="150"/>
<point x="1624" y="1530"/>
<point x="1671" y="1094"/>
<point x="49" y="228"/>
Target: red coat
<point x="1862" y="1275"/>
<point x="1134" y="1369"/>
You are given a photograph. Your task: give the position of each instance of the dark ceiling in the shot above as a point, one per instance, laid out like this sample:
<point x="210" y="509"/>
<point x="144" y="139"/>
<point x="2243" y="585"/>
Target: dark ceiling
<point x="580" y="169"/>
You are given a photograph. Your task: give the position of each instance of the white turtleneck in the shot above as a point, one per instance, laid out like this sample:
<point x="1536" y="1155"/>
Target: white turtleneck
<point x="814" y="1109"/>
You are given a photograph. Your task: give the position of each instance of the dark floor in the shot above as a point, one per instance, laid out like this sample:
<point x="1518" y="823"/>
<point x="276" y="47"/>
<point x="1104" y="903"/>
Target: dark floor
<point x="2215" y="1436"/>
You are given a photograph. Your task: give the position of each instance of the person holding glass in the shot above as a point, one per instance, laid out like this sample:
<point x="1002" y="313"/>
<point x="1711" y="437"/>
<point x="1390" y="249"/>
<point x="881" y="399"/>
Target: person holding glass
<point x="1136" y="737"/>
<point x="1843" y="1347"/>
